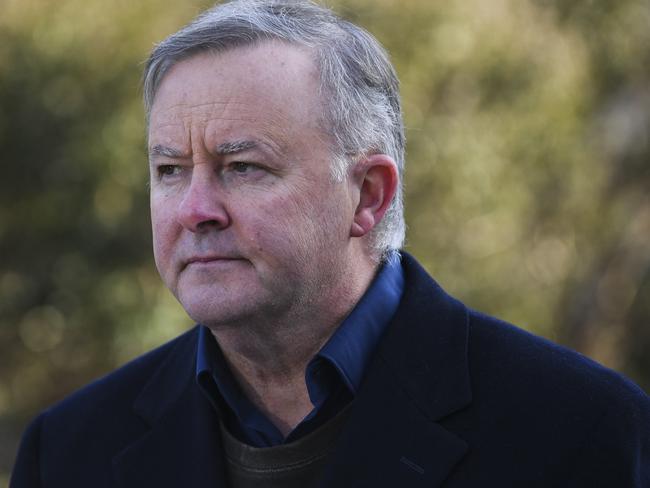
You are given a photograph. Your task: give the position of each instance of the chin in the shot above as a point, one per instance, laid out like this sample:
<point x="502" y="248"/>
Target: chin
<point x="208" y="314"/>
<point x="218" y="312"/>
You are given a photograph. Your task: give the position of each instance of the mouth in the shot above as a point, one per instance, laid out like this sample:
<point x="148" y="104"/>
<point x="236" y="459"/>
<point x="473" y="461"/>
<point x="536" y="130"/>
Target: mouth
<point x="209" y="260"/>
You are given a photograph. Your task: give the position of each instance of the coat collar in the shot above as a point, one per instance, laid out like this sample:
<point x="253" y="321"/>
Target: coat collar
<point x="426" y="345"/>
<point x="418" y="375"/>
<point x="183" y="445"/>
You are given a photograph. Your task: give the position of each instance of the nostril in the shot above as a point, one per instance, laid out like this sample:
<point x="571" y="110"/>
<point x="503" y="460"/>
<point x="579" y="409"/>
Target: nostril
<point x="206" y="224"/>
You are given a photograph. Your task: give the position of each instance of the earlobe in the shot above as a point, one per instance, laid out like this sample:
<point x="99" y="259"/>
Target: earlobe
<point x="362" y="224"/>
<point x="377" y="179"/>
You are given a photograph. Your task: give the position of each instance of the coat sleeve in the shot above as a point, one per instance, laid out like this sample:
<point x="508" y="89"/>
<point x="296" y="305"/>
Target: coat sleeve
<point x="27" y="472"/>
<point x="617" y="451"/>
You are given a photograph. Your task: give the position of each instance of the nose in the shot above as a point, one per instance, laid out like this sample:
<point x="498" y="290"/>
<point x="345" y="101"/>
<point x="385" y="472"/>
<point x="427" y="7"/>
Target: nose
<point x="202" y="207"/>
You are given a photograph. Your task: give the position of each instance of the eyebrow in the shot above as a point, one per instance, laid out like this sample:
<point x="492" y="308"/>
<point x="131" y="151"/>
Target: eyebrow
<point x="235" y="147"/>
<point x="160" y="150"/>
<point x="223" y="149"/>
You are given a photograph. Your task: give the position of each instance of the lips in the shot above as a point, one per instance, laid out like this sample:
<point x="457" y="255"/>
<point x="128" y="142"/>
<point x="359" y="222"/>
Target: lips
<point x="198" y="260"/>
<point x="207" y="259"/>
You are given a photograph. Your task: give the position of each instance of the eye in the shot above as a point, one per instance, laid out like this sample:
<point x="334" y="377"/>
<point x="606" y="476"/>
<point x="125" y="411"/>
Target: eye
<point x="243" y="167"/>
<point x="168" y="170"/>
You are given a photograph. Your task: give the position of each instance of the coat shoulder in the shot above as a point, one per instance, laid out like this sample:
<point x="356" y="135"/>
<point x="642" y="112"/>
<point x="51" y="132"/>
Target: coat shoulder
<point x="123" y="385"/>
<point x="545" y="398"/>
<point x="534" y="365"/>
<point x="97" y="421"/>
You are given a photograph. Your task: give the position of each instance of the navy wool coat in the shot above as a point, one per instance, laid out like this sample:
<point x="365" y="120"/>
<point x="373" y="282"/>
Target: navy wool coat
<point x="452" y="398"/>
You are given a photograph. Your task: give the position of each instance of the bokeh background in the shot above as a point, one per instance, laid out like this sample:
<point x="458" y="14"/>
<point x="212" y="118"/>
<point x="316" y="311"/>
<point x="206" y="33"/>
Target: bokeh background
<point x="527" y="197"/>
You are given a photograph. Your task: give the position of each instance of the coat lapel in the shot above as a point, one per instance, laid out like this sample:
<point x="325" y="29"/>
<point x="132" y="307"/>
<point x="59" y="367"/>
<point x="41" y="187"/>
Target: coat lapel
<point x="418" y="376"/>
<point x="183" y="445"/>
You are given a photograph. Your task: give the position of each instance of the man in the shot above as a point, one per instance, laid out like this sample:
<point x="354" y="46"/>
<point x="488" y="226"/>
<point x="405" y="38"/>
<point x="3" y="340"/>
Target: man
<point x="323" y="357"/>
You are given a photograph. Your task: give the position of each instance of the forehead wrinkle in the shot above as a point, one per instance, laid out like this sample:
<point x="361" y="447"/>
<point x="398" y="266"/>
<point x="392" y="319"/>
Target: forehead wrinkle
<point x="205" y="110"/>
<point x="274" y="134"/>
<point x="184" y="104"/>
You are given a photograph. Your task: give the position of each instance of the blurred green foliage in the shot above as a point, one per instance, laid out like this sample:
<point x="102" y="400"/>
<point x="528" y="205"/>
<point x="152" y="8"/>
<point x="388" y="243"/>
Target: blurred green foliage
<point x="527" y="181"/>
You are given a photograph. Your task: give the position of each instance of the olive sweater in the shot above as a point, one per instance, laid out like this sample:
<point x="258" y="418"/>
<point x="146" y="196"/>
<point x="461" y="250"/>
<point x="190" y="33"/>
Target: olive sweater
<point x="298" y="464"/>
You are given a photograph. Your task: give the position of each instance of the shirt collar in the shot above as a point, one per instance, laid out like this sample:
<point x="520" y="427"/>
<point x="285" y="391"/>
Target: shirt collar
<point x="343" y="358"/>
<point x="351" y="346"/>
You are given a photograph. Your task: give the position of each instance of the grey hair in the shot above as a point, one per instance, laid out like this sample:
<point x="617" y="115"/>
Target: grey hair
<point x="358" y="85"/>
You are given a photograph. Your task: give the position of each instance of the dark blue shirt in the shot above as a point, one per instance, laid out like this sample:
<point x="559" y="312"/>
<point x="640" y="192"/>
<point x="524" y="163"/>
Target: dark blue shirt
<point x="333" y="376"/>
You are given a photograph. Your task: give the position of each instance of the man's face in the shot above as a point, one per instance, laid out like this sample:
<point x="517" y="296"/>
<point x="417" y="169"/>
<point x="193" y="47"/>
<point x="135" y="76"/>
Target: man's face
<point x="247" y="221"/>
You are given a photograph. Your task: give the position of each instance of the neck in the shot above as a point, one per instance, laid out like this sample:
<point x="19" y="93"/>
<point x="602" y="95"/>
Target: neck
<point x="269" y="356"/>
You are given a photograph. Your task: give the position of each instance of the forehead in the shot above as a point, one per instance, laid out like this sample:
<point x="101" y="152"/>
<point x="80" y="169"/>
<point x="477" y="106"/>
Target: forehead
<point x="272" y="86"/>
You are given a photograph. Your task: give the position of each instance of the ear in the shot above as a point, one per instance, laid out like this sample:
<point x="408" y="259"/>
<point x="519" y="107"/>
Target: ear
<point x="376" y="179"/>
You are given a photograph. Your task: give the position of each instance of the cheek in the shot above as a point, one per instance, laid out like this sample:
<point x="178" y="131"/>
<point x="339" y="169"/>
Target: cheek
<point x="162" y="234"/>
<point x="299" y="224"/>
<point x="273" y="225"/>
